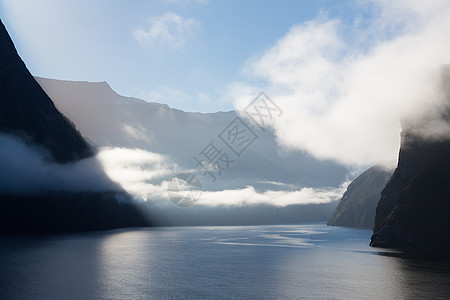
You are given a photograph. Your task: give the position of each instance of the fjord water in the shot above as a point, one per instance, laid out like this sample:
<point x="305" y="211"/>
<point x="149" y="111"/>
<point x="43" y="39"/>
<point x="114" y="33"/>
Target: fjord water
<point x="246" y="262"/>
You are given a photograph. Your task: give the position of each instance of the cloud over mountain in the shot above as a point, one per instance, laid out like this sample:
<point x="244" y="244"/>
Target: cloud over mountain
<point x="345" y="87"/>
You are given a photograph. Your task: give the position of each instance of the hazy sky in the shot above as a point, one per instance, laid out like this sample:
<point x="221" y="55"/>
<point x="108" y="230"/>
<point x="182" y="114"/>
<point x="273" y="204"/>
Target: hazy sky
<point x="181" y="52"/>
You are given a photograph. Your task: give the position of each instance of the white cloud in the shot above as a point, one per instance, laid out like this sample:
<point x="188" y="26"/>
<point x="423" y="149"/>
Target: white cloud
<point x="136" y="132"/>
<point x="344" y="100"/>
<point x="250" y="197"/>
<point x="139" y="172"/>
<point x="146" y="176"/>
<point x="278" y="184"/>
<point x="169" y="29"/>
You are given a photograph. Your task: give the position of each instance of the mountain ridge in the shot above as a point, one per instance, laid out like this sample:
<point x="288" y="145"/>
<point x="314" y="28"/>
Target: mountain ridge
<point x="358" y="204"/>
<point x="108" y="89"/>
<point x="160" y="129"/>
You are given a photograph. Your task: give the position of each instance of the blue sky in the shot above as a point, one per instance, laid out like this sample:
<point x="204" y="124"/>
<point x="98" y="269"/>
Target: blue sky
<point x="196" y="49"/>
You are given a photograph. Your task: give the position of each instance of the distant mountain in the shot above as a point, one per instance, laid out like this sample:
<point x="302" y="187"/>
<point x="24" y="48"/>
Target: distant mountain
<point x="108" y="119"/>
<point x="358" y="204"/>
<point x="28" y="114"/>
<point x="414" y="209"/>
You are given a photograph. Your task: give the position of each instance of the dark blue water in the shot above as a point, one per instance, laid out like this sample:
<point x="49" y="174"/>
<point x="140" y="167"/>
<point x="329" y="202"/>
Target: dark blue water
<point x="250" y="262"/>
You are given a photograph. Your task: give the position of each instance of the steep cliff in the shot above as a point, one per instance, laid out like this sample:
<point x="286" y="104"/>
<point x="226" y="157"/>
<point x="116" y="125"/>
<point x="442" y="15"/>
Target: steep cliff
<point x="28" y="114"/>
<point x="358" y="204"/>
<point x="414" y="209"/>
<point x="26" y="110"/>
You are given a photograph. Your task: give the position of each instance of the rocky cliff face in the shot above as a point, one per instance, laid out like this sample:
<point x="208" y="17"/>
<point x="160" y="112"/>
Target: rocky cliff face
<point x="27" y="113"/>
<point x="414" y="209"/>
<point x="26" y="110"/>
<point x="358" y="204"/>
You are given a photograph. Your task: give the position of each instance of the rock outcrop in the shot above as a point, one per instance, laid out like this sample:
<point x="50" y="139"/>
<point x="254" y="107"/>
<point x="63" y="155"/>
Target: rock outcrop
<point x="358" y="204"/>
<point x="414" y="209"/>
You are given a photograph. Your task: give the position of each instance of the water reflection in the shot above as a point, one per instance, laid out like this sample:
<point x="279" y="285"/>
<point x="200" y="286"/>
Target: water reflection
<point x="423" y="277"/>
<point x="297" y="261"/>
<point x="127" y="265"/>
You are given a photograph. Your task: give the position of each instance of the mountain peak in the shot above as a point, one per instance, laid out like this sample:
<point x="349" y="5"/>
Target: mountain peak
<point x="86" y="92"/>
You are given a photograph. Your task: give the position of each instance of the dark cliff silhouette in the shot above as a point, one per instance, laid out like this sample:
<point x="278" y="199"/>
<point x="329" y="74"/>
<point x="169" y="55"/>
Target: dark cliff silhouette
<point x="414" y="209"/>
<point x="27" y="113"/>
